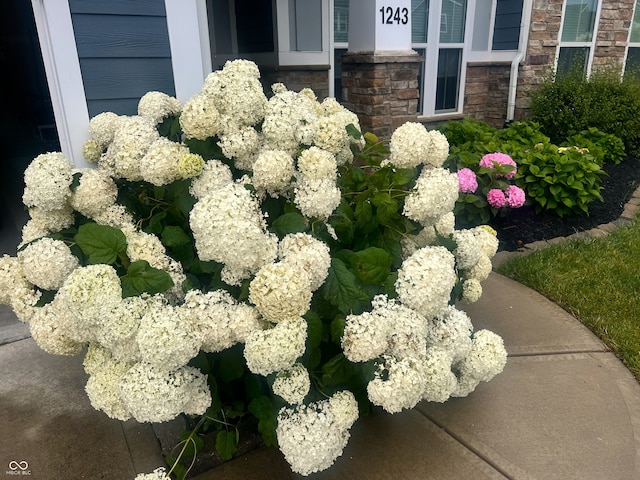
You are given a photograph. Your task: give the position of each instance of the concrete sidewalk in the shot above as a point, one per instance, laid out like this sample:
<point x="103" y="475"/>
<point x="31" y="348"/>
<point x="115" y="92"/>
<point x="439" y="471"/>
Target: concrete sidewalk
<point x="564" y="408"/>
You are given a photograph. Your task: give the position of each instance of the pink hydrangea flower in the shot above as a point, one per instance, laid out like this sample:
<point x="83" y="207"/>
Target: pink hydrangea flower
<point x="467" y="180"/>
<point x="500" y="158"/>
<point x="496" y="198"/>
<point x="515" y="196"/>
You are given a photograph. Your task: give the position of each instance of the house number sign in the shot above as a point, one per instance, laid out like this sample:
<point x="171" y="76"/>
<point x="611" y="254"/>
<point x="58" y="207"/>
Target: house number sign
<point x="380" y="25"/>
<point x="394" y="16"/>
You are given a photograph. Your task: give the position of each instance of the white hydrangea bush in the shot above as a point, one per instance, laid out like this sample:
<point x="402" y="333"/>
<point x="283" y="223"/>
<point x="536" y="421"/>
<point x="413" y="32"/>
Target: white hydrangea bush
<point x="254" y="252"/>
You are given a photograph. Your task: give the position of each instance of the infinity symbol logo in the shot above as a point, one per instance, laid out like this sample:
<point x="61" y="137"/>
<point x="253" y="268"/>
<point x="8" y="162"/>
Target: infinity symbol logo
<point x="13" y="465"/>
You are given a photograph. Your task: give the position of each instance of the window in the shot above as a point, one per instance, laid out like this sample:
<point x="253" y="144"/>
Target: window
<point x="341" y="21"/>
<point x="452" y="21"/>
<point x="249" y="35"/>
<point x="442" y="46"/>
<point x="633" y="53"/>
<point x="577" y="37"/>
<point x="506" y="29"/>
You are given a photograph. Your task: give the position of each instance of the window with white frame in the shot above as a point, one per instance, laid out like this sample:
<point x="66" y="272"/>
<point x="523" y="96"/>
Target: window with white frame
<point x="249" y="35"/>
<point x="577" y="36"/>
<point x="440" y="88"/>
<point x="632" y="64"/>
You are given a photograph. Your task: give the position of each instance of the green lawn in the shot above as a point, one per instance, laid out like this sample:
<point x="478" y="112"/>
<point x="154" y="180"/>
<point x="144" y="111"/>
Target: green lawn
<point x="596" y="280"/>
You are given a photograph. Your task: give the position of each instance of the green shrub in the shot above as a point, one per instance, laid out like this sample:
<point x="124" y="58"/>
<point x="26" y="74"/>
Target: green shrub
<point x="565" y="106"/>
<point x="562" y="180"/>
<point x="605" y="147"/>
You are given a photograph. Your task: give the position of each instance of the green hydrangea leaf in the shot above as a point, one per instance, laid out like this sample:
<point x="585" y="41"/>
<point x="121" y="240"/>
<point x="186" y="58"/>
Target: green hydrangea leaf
<point x="143" y="278"/>
<point x="372" y="265"/>
<point x="101" y="243"/>
<point x="261" y="408"/>
<point x="174" y="236"/>
<point x="226" y="444"/>
<point x="337" y="328"/>
<point x="342" y="289"/>
<point x="353" y="132"/>
<point x="289" y="223"/>
<point x="314" y="328"/>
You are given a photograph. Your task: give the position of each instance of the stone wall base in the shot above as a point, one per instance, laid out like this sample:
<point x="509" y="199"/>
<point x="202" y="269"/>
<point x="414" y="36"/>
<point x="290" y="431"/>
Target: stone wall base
<point x="297" y="77"/>
<point x="381" y="88"/>
<point x="487" y="91"/>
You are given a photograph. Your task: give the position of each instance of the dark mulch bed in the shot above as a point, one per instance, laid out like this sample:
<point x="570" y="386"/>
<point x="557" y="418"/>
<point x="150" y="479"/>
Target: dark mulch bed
<point x="524" y="225"/>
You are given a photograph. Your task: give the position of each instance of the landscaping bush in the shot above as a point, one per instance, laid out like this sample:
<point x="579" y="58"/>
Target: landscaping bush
<point x="558" y="179"/>
<point x="605" y="147"/>
<point x="562" y="180"/>
<point x="567" y="105"/>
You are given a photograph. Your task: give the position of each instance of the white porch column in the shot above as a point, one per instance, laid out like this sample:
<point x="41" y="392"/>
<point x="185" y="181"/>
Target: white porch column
<point x="380" y="25"/>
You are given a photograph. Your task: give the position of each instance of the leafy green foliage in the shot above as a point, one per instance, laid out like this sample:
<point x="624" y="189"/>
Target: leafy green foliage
<point x="567" y="105"/>
<point x="561" y="181"/>
<point x="605" y="147"/>
<point x="143" y="278"/>
<point x="101" y="243"/>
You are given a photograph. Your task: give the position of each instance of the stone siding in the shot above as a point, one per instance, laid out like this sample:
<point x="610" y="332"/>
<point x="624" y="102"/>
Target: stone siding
<point x="296" y="78"/>
<point x="486" y="92"/>
<point x="546" y="17"/>
<point x="382" y="89"/>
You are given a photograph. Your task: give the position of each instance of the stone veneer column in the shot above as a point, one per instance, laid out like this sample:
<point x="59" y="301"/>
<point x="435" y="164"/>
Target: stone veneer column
<point x="381" y="88"/>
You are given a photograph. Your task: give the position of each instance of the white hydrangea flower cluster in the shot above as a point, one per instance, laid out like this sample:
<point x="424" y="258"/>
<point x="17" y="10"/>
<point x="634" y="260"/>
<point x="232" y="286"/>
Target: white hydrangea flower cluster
<point x="47" y="182"/>
<point x="15" y="290"/>
<point x="162" y="162"/>
<point x="275" y="349"/>
<point x="50" y="327"/>
<point x="281" y="291"/>
<point x="292" y="384"/>
<point x="42" y="222"/>
<point x="308" y="252"/>
<point x="156" y="106"/>
<point x="131" y="140"/>
<point x="425" y="280"/>
<point x="237" y="93"/>
<point x="159" y="473"/>
<point x="155" y="395"/>
<point x="229" y="228"/>
<point x="273" y="171"/>
<point x="102" y="128"/>
<point x="312" y="436"/>
<point x="485" y="360"/>
<point x="95" y="193"/>
<point x="46" y="263"/>
<point x="290" y="120"/>
<point x="434" y="195"/>
<point x="412" y="144"/>
<point x="218" y="320"/>
<point x="241" y="145"/>
<point x="200" y="119"/>
<point x="214" y="175"/>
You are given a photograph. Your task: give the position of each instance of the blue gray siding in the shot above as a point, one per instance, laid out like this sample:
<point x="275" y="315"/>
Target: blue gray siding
<point x="124" y="52"/>
<point x="506" y="31"/>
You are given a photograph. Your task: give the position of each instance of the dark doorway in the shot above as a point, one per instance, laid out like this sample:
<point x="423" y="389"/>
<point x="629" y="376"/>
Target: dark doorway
<point x="27" y="122"/>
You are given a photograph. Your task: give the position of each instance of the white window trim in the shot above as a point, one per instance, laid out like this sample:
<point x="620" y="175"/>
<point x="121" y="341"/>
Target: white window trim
<point x="64" y="78"/>
<point x="630" y="44"/>
<point x="288" y="57"/>
<point x="433" y="47"/>
<point x="189" y="43"/>
<point x="591" y="45"/>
